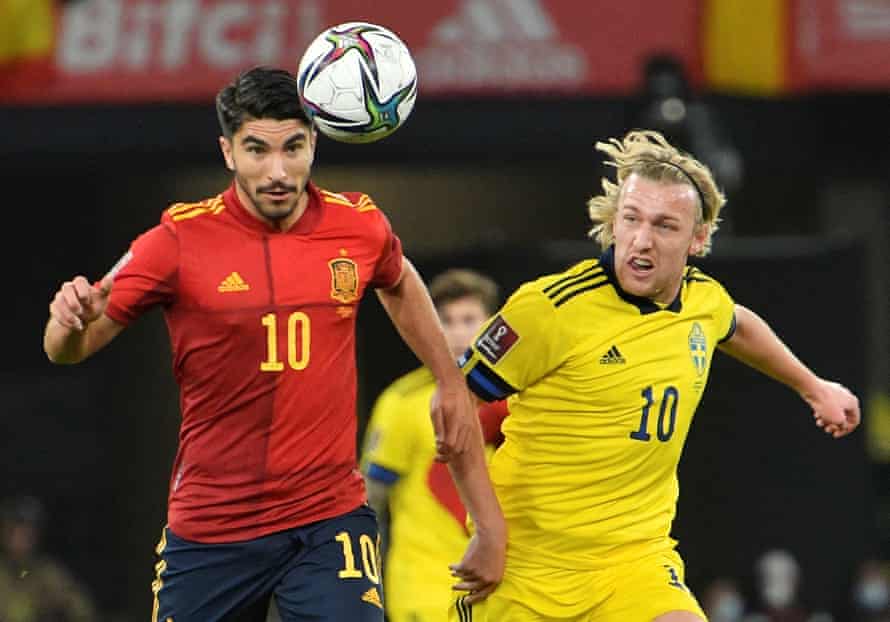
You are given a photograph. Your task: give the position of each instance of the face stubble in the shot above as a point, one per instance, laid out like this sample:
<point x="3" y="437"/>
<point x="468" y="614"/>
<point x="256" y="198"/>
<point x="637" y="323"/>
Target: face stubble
<point x="272" y="210"/>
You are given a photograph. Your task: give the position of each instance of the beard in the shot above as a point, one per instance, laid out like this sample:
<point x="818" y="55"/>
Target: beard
<point x="273" y="211"/>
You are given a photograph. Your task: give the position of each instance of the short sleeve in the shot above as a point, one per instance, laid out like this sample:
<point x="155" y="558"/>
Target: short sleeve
<point x="390" y="437"/>
<point x="516" y="348"/>
<point x="147" y="275"/>
<point x="388" y="268"/>
<point x="725" y="315"/>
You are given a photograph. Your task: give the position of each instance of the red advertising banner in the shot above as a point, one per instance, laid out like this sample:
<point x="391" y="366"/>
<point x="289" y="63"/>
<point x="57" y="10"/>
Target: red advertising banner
<point x="839" y="45"/>
<point x="185" y="50"/>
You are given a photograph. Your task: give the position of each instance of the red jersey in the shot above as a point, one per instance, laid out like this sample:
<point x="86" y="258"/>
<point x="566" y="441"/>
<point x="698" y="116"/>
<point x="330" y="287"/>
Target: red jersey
<point x="262" y="328"/>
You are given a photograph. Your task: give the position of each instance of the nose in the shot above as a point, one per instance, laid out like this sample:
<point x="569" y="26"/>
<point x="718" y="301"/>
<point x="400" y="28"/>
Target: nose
<point x="277" y="170"/>
<point x="643" y="237"/>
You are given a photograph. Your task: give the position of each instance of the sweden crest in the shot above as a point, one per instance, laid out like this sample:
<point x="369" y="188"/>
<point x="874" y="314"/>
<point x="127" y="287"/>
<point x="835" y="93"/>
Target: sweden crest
<point x="698" y="348"/>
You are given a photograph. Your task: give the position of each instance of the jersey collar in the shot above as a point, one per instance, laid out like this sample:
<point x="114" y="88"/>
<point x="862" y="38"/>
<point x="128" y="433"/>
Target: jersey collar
<point x="304" y="226"/>
<point x="645" y="305"/>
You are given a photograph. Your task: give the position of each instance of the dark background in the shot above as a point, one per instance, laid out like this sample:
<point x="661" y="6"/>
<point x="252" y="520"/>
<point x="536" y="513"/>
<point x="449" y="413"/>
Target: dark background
<point x="96" y="441"/>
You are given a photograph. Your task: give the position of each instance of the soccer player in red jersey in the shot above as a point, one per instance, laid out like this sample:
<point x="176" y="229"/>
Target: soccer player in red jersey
<point x="260" y="287"/>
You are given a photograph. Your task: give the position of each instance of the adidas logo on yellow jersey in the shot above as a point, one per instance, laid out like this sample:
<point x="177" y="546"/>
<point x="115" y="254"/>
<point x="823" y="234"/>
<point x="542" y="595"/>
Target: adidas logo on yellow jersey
<point x="612" y="357"/>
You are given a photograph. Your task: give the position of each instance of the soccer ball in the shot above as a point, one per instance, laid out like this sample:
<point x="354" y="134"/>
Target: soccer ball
<point x="357" y="82"/>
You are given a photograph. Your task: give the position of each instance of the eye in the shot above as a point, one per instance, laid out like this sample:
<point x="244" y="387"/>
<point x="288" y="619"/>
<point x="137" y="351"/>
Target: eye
<point x="630" y="218"/>
<point x="254" y="149"/>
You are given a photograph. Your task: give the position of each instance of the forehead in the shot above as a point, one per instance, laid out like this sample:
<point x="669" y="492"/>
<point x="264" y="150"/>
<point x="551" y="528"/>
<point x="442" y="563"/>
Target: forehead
<point x="271" y="130"/>
<point x="658" y="197"/>
<point x="462" y="306"/>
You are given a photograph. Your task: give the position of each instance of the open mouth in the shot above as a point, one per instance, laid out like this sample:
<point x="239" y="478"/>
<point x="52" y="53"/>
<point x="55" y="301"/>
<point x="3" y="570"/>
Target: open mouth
<point x="641" y="265"/>
<point x="277" y="195"/>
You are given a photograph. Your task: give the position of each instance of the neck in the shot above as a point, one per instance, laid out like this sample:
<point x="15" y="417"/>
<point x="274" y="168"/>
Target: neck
<point x="668" y="294"/>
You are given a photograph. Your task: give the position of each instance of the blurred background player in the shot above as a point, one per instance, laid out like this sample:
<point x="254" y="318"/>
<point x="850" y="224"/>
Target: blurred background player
<point x="426" y="517"/>
<point x="259" y="288"/>
<point x="34" y="587"/>
<point x="778" y="581"/>
<point x="608" y="361"/>
<point x="723" y="601"/>
<point x="871" y="593"/>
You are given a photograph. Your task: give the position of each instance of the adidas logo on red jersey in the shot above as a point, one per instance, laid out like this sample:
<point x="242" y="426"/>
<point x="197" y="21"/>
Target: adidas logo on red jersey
<point x="233" y="283"/>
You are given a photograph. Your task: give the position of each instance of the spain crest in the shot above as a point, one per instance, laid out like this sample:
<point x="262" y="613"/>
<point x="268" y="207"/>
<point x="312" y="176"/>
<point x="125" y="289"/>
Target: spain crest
<point x="698" y="348"/>
<point x="344" y="280"/>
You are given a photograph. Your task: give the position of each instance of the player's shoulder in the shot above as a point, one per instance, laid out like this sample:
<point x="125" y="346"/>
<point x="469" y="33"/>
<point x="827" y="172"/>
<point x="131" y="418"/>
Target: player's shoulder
<point x="348" y="202"/>
<point x="357" y="212"/>
<point x="581" y="280"/>
<point x="200" y="211"/>
<point x="420" y="379"/>
<point x="402" y="396"/>
<point x="696" y="279"/>
<point x="704" y="293"/>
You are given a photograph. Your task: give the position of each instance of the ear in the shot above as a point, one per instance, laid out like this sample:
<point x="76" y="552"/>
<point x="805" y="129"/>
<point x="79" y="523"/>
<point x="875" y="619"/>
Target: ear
<point x="699" y="237"/>
<point x="226" y="146"/>
<point x="313" y="143"/>
<point x="313" y="137"/>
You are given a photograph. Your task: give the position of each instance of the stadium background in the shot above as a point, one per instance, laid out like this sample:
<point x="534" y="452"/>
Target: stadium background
<point x="106" y="109"/>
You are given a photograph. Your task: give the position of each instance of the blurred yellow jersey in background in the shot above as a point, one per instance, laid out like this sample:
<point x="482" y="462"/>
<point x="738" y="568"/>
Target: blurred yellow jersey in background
<point x="604" y="387"/>
<point x="427" y="519"/>
<point x="424" y="536"/>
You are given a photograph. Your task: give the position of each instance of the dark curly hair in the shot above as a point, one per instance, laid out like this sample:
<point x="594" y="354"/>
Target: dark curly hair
<point x="258" y="93"/>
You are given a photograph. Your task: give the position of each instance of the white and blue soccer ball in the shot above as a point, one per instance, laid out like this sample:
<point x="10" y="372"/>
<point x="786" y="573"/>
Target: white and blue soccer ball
<point x="357" y="82"/>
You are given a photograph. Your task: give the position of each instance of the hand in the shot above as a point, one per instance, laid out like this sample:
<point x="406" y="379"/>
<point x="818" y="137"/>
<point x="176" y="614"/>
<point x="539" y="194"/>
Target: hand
<point x="77" y="303"/>
<point x="835" y="408"/>
<point x="453" y="412"/>
<point x="481" y="568"/>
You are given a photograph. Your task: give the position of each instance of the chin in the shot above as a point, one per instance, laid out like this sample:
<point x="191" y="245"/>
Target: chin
<point x="275" y="213"/>
<point x="642" y="291"/>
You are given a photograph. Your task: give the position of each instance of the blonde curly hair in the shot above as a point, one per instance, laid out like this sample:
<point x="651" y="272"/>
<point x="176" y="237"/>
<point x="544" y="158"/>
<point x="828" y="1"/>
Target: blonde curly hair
<point x="648" y="154"/>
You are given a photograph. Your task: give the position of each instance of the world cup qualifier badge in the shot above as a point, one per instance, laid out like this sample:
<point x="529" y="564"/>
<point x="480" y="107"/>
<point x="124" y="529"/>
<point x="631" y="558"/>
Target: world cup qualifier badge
<point x="344" y="280"/>
<point x="497" y="340"/>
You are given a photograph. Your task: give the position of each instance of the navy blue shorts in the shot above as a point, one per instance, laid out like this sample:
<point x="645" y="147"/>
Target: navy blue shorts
<point x="325" y="571"/>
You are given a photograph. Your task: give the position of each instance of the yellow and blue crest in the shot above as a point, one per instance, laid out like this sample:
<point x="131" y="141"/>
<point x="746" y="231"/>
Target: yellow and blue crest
<point x="698" y="348"/>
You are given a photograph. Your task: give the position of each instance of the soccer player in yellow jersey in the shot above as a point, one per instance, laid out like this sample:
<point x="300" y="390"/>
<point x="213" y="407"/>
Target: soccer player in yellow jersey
<point x="427" y="518"/>
<point x="604" y="365"/>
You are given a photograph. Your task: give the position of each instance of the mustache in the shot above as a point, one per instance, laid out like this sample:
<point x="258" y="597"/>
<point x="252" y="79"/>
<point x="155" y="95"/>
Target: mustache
<point x="277" y="187"/>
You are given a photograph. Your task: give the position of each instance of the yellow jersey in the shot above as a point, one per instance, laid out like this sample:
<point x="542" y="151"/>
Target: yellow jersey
<point x="603" y="388"/>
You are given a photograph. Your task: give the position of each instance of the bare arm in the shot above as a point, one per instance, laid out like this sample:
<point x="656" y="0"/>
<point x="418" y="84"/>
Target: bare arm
<point x="78" y="326"/>
<point x="411" y="310"/>
<point x="755" y="344"/>
<point x="458" y="433"/>
<point x="482" y="566"/>
<point x="378" y="495"/>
